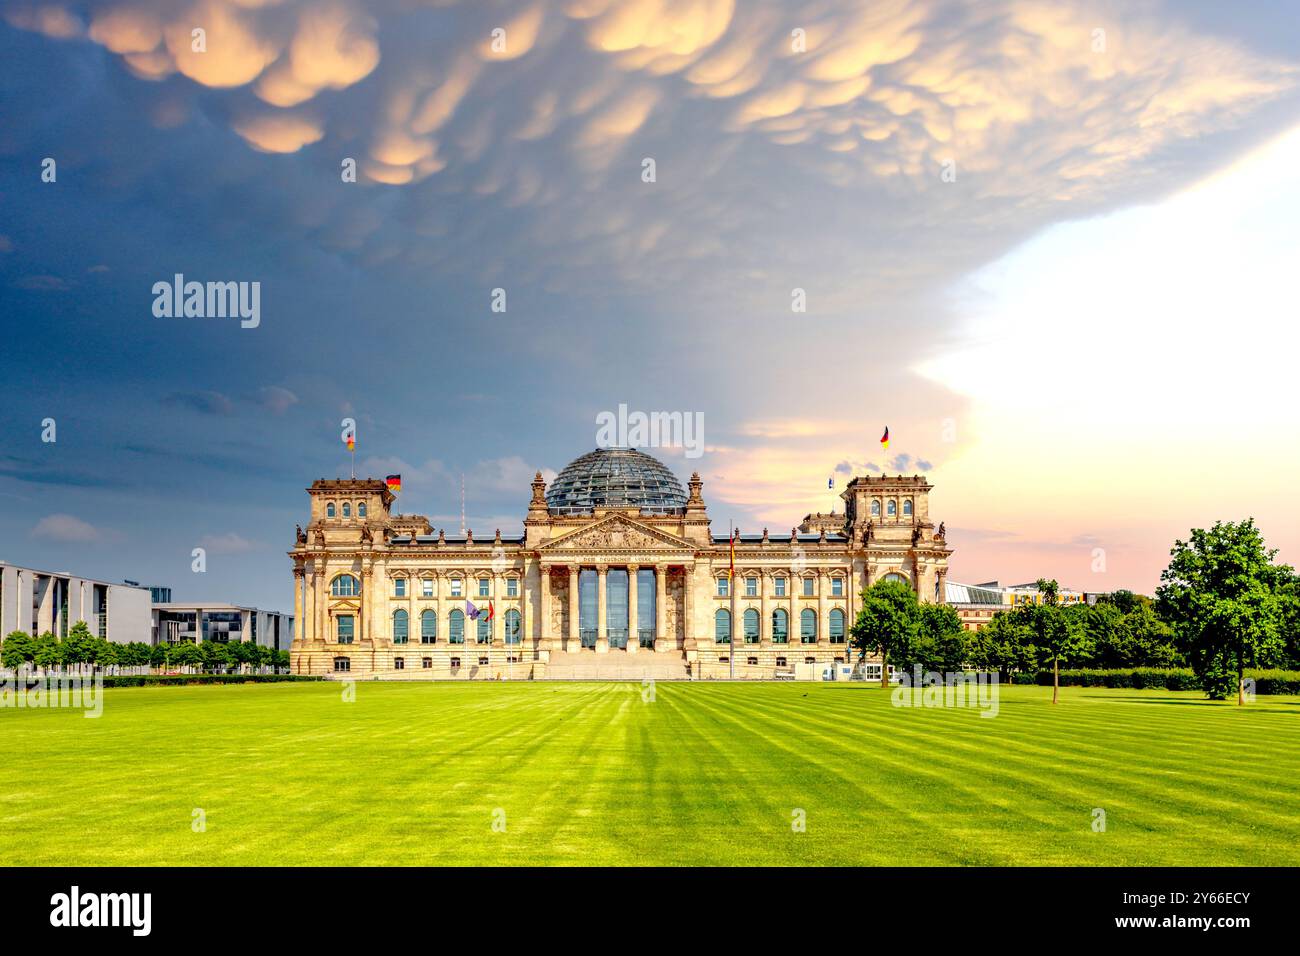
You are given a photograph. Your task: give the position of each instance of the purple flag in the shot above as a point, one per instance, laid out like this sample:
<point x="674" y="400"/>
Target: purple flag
<point x="471" y="611"/>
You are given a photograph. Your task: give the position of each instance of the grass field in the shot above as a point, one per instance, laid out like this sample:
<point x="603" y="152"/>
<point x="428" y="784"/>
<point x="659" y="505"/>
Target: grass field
<point x="591" y="774"/>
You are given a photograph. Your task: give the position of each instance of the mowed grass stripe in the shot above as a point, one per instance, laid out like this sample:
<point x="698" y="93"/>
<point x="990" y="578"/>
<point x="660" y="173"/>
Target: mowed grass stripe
<point x="591" y="773"/>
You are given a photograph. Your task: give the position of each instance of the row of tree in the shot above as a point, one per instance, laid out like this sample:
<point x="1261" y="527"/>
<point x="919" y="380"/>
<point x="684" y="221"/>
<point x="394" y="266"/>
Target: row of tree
<point x="83" y="650"/>
<point x="1223" y="605"/>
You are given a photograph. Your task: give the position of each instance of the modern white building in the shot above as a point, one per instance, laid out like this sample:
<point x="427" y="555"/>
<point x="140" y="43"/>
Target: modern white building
<point x="174" y="622"/>
<point x="39" y="601"/>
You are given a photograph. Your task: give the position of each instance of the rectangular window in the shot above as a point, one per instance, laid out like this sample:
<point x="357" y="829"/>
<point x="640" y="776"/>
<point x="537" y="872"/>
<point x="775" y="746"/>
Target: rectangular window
<point x="344" y="623"/>
<point x="779" y="583"/>
<point x="482" y="662"/>
<point x="426" y="587"/>
<point x="723" y="587"/>
<point x="455" y="587"/>
<point x="512" y="587"/>
<point x="837" y="587"/>
<point x="807" y="587"/>
<point x="399" y="587"/>
<point x="751" y="660"/>
<point x="751" y="587"/>
<point x="426" y="662"/>
<point x="455" y="663"/>
<point x="780" y="662"/>
<point x="484" y="587"/>
<point x="342" y="664"/>
<point x="399" y="663"/>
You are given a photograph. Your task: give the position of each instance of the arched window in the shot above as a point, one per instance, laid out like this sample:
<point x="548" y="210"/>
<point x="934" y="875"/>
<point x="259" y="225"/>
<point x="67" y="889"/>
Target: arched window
<point x="456" y="627"/>
<point x="875" y="507"/>
<point x="361" y="509"/>
<point x="808" y="626"/>
<point x="401" y="632"/>
<point x="837" y="626"/>
<point x="428" y="627"/>
<point x="893" y="576"/>
<point x="891" y="508"/>
<point x="907" y="508"/>
<point x="722" y="625"/>
<point x="345" y="585"/>
<point x="780" y="626"/>
<point x="484" y="630"/>
<point x="751" y="626"/>
<point x="512" y="626"/>
<point x="347" y="510"/>
<point x="329" y="510"/>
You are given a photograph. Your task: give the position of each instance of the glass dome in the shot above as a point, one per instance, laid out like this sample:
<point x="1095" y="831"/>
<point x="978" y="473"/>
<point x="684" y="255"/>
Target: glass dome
<point x="615" y="478"/>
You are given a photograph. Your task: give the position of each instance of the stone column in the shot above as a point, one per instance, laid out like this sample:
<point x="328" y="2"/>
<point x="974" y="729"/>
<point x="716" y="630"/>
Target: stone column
<point x="633" y="639"/>
<point x="544" y="584"/>
<point x="688" y="605"/>
<point x="823" y="616"/>
<point x="661" y="599"/>
<point x="367" y="601"/>
<point x="764" y="615"/>
<point x="297" y="593"/>
<point x="575" y="641"/>
<point x="602" y="638"/>
<point x="322" y="604"/>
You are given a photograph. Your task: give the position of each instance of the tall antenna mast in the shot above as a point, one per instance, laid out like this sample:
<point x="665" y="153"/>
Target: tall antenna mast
<point x="462" y="502"/>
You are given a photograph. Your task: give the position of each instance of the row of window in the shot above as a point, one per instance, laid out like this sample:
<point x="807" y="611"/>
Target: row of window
<point x="347" y="585"/>
<point x="891" y="508"/>
<point x="345" y="627"/>
<point x="332" y="512"/>
<point x="427" y="588"/>
<point x="780" y="626"/>
<point x="778" y="586"/>
<point x="344" y="664"/>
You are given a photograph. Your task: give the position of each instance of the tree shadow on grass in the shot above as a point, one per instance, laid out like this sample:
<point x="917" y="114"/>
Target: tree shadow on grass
<point x="1196" y="703"/>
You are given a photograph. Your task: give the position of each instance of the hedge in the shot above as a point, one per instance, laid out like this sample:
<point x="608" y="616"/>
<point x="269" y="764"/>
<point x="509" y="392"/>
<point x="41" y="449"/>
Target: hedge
<point x="180" y="680"/>
<point x="1176" y="678"/>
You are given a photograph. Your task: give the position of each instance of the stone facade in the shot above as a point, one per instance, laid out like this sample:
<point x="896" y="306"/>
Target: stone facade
<point x="380" y="595"/>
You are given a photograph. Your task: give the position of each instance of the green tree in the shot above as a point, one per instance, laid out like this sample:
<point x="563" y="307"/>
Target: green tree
<point x="215" y="655"/>
<point x="888" y="622"/>
<point x="186" y="654"/>
<point x="1226" y="600"/>
<point x="18" y="649"/>
<point x="80" y="646"/>
<point x="49" y="652"/>
<point x="940" y="643"/>
<point x="1057" y="634"/>
<point x="1004" y="645"/>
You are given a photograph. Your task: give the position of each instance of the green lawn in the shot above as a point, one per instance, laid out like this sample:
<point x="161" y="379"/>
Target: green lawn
<point x="704" y="774"/>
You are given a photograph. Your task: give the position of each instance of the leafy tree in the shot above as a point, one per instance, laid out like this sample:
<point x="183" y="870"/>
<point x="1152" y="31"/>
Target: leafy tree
<point x="215" y="655"/>
<point x="18" y="649"/>
<point x="80" y="646"/>
<point x="940" y="643"/>
<point x="1056" y="634"/>
<point x="1004" y="645"/>
<point x="1226" y="601"/>
<point x="888" y="622"/>
<point x="49" y="652"/>
<point x="186" y="654"/>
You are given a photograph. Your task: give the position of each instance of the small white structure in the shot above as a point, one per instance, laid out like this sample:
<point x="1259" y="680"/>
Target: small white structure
<point x="39" y="601"/>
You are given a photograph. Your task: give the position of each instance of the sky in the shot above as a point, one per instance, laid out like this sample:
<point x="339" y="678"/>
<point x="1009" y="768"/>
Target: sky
<point x="1050" y="245"/>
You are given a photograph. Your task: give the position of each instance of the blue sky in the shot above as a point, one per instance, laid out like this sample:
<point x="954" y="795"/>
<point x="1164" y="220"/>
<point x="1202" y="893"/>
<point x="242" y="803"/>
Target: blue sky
<point x="521" y="168"/>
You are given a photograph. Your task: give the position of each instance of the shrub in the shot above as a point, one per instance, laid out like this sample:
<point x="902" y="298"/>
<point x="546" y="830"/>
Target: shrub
<point x="176" y="680"/>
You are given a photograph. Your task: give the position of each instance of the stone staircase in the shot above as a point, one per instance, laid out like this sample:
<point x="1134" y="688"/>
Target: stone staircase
<point x="617" y="665"/>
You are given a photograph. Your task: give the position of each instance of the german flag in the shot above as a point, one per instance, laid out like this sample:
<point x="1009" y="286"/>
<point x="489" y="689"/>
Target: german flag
<point x="884" y="439"/>
<point x="394" y="483"/>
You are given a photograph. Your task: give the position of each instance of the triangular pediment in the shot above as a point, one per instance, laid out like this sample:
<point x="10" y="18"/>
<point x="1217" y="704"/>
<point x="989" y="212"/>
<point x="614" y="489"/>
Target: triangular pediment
<point x="617" y="533"/>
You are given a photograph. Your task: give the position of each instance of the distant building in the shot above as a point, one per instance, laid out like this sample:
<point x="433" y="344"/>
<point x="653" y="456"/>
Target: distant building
<point x="618" y="574"/>
<point x="39" y="601"/>
<point x="975" y="604"/>
<point x="205" y="621"/>
<point x="1029" y="594"/>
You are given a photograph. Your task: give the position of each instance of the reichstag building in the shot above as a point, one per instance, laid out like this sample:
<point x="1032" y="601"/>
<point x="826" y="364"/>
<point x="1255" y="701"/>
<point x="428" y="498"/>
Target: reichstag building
<point x="618" y="573"/>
